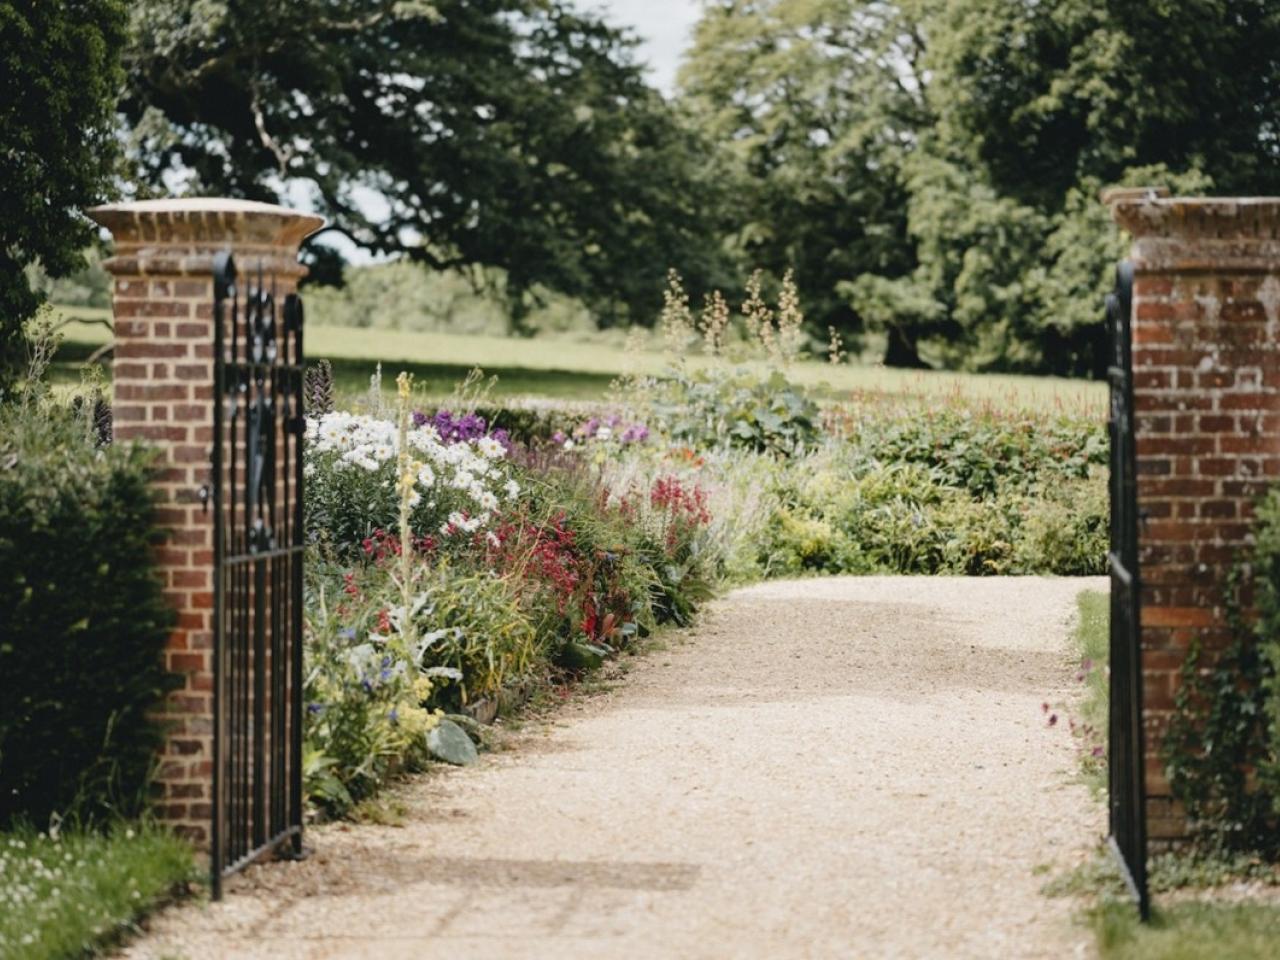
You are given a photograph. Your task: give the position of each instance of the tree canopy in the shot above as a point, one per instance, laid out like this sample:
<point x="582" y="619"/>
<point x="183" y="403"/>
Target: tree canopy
<point x="932" y="166"/>
<point x="59" y="81"/>
<point x="929" y="168"/>
<point x="517" y="134"/>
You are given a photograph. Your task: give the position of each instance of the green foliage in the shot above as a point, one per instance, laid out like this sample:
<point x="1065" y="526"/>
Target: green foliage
<point x="1222" y="750"/>
<point x="1092" y="721"/>
<point x="954" y="492"/>
<point x="1046" y="96"/>
<point x="1217" y="738"/>
<point x="72" y="892"/>
<point x="402" y="295"/>
<point x="514" y="134"/>
<point x="711" y="407"/>
<point x="1266" y="579"/>
<point x="59" y="78"/>
<point x="932" y="169"/>
<point x="476" y="637"/>
<point x="1189" y="930"/>
<point x="814" y="105"/>
<point x="364" y="719"/>
<point x="83" y="619"/>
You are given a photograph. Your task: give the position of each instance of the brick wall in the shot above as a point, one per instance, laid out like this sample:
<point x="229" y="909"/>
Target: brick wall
<point x="1207" y="416"/>
<point x="162" y="384"/>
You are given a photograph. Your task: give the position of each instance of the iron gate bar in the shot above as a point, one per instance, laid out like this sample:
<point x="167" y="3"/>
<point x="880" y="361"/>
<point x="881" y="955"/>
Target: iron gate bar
<point x="1127" y="824"/>
<point x="257" y="492"/>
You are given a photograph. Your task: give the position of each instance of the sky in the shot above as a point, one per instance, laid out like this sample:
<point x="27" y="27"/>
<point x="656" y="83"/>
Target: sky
<point x="665" y="28"/>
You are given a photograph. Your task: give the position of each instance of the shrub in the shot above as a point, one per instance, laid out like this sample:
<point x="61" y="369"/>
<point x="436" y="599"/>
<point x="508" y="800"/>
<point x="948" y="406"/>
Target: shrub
<point x="852" y="508"/>
<point x="715" y="407"/>
<point x="82" y="618"/>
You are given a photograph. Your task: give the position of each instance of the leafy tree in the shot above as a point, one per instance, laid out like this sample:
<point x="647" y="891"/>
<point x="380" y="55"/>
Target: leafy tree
<point x="59" y="78"/>
<point x="516" y="134"/>
<point x="934" y="165"/>
<point x="818" y="104"/>
<point x="1047" y="95"/>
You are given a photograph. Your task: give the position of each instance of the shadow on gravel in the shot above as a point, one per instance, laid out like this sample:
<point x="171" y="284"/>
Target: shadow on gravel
<point x="498" y="872"/>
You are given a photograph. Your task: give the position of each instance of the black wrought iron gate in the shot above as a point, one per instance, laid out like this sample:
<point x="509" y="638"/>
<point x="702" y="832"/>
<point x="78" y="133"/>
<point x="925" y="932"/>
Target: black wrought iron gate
<point x="1127" y="792"/>
<point x="258" y="541"/>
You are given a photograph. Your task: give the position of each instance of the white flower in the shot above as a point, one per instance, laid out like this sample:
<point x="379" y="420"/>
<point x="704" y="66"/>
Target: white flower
<point x="493" y="539"/>
<point x="463" y="480"/>
<point x="415" y="498"/>
<point x="568" y="444"/>
<point x="489" y="448"/>
<point x="487" y="500"/>
<point x="426" y="476"/>
<point x="604" y="433"/>
<point x="457" y="519"/>
<point x="513" y="489"/>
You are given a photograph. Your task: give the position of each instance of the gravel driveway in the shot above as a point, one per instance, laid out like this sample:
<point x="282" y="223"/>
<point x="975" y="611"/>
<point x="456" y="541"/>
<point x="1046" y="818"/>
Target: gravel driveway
<point x="845" y="767"/>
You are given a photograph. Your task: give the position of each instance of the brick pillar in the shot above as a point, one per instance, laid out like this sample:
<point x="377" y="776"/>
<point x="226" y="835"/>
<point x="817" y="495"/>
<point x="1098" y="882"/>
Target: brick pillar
<point x="1206" y="357"/>
<point x="162" y="386"/>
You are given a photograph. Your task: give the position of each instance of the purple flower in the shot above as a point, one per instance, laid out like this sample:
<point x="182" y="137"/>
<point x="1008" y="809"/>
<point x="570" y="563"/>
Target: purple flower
<point x="636" y="433"/>
<point x="347" y="633"/>
<point x="454" y="429"/>
<point x="558" y="438"/>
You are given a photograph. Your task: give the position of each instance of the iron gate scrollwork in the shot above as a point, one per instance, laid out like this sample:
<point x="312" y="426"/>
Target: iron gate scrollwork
<point x="1126" y="755"/>
<point x="257" y="480"/>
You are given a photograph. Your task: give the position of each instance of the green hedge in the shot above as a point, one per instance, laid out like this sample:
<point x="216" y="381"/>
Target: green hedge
<point x="83" y="619"/>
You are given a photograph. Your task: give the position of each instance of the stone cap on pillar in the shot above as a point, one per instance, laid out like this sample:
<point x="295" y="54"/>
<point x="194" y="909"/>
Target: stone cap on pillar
<point x="180" y="237"/>
<point x="1199" y="234"/>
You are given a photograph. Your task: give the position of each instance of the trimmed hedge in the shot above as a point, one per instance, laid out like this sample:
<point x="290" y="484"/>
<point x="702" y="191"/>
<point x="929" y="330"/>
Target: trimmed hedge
<point x="83" y="619"/>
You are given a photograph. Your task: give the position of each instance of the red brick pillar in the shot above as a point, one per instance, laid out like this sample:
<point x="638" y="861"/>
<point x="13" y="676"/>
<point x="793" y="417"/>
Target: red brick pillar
<point x="162" y="385"/>
<point x="1206" y="358"/>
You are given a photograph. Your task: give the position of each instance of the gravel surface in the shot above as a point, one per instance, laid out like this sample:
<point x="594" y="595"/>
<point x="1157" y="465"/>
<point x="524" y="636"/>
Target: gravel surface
<point x="846" y="767"/>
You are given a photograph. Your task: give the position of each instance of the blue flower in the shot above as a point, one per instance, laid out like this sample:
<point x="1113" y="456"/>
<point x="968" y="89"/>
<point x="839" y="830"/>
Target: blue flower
<point x="347" y="633"/>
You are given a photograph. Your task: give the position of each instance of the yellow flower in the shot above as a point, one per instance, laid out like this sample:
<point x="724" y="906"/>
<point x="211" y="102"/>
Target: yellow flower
<point x="404" y="384"/>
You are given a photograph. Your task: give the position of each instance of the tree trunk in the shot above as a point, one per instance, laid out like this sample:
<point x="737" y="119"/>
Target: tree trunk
<point x="902" y="350"/>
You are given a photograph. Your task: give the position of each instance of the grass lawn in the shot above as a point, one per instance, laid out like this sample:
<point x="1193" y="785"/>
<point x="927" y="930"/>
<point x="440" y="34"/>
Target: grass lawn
<point x="1191" y="930"/>
<point x="567" y="369"/>
<point x="69" y="895"/>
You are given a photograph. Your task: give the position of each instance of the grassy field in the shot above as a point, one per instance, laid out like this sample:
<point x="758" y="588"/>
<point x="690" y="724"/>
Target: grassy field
<point x="567" y="369"/>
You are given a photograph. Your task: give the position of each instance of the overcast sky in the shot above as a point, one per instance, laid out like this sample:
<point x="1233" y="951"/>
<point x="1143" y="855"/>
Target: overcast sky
<point x="664" y="26"/>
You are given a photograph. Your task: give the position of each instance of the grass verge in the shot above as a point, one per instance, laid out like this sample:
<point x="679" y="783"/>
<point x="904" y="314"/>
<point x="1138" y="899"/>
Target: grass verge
<point x="71" y="894"/>
<point x="1090" y="723"/>
<point x="1186" y="930"/>
<point x="1192" y="930"/>
<point x="569" y="369"/>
